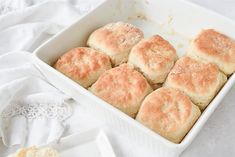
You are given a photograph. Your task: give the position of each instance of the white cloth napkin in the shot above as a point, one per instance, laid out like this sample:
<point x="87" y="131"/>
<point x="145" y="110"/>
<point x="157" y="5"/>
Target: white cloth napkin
<point x="25" y="29"/>
<point x="32" y="111"/>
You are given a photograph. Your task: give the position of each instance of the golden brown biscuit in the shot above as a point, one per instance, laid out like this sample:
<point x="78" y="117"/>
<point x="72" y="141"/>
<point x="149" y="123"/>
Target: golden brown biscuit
<point x="115" y="40"/>
<point x="216" y="48"/>
<point x="36" y="152"/>
<point x="154" y="57"/>
<point x="122" y="87"/>
<point x="25" y="152"/>
<point x="169" y="112"/>
<point x="83" y="65"/>
<point x="200" y="81"/>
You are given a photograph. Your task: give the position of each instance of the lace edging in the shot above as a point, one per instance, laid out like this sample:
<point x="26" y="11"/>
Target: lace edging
<point x="59" y="111"/>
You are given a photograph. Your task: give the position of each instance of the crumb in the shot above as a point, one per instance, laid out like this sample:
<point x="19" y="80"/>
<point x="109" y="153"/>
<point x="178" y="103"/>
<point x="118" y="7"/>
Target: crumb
<point x="172" y="32"/>
<point x="180" y="45"/>
<point x="139" y="15"/>
<point x="142" y="16"/>
<point x="170" y="19"/>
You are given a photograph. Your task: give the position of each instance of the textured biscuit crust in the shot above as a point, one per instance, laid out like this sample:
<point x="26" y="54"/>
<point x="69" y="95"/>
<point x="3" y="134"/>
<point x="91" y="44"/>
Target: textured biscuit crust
<point x="214" y="47"/>
<point x="83" y="65"/>
<point x="122" y="87"/>
<point x="25" y="152"/>
<point x="154" y="57"/>
<point x="199" y="80"/>
<point x="115" y="40"/>
<point x="35" y="152"/>
<point x="169" y="112"/>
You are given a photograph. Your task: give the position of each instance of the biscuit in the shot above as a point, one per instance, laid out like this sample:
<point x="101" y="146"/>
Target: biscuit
<point x="36" y="152"/>
<point x="154" y="57"/>
<point x="199" y="80"/>
<point x="168" y="112"/>
<point x="216" y="48"/>
<point x="83" y="65"/>
<point x="115" y="40"/>
<point x="123" y="87"/>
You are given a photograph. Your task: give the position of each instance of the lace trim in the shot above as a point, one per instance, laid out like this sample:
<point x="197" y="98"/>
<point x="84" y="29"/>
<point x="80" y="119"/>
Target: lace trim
<point x="59" y="111"/>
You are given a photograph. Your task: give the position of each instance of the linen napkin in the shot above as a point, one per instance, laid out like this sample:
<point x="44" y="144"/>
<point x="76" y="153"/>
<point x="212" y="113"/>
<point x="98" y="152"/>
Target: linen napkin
<point x="25" y="29"/>
<point x="32" y="111"/>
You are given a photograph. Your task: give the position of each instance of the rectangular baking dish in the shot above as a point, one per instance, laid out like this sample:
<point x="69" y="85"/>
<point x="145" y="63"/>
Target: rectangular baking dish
<point x="177" y="21"/>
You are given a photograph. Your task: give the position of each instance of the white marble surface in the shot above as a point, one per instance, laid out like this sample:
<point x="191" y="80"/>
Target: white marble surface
<point x="217" y="138"/>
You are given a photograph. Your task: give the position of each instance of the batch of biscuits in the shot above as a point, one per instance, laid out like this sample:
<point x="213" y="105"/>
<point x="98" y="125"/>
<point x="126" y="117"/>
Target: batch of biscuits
<point x="145" y="78"/>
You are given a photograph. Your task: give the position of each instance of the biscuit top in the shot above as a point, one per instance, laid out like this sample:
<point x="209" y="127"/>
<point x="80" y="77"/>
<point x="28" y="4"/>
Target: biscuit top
<point x="24" y="152"/>
<point x="80" y="62"/>
<point x="166" y="109"/>
<point x="216" y="44"/>
<point x="118" y="37"/>
<point x="155" y="52"/>
<point x="36" y="152"/>
<point x="193" y="75"/>
<point x="121" y="86"/>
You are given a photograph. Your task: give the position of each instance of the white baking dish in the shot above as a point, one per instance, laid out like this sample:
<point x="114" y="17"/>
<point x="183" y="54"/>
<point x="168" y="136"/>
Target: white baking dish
<point x="177" y="21"/>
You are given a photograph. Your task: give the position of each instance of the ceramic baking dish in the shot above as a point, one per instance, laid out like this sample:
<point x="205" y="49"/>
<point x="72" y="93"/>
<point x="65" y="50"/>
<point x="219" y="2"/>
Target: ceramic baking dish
<point x="177" y="21"/>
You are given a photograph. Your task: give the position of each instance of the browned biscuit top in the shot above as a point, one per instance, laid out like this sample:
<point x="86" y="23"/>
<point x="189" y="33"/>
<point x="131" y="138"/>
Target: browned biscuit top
<point x="78" y="63"/>
<point x="193" y="75"/>
<point x="121" y="86"/>
<point x="155" y="52"/>
<point x="165" y="110"/>
<point x="118" y="37"/>
<point x="216" y="44"/>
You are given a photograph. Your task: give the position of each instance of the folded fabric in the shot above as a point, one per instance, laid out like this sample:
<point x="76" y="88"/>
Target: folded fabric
<point x="25" y="29"/>
<point x="32" y="111"/>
